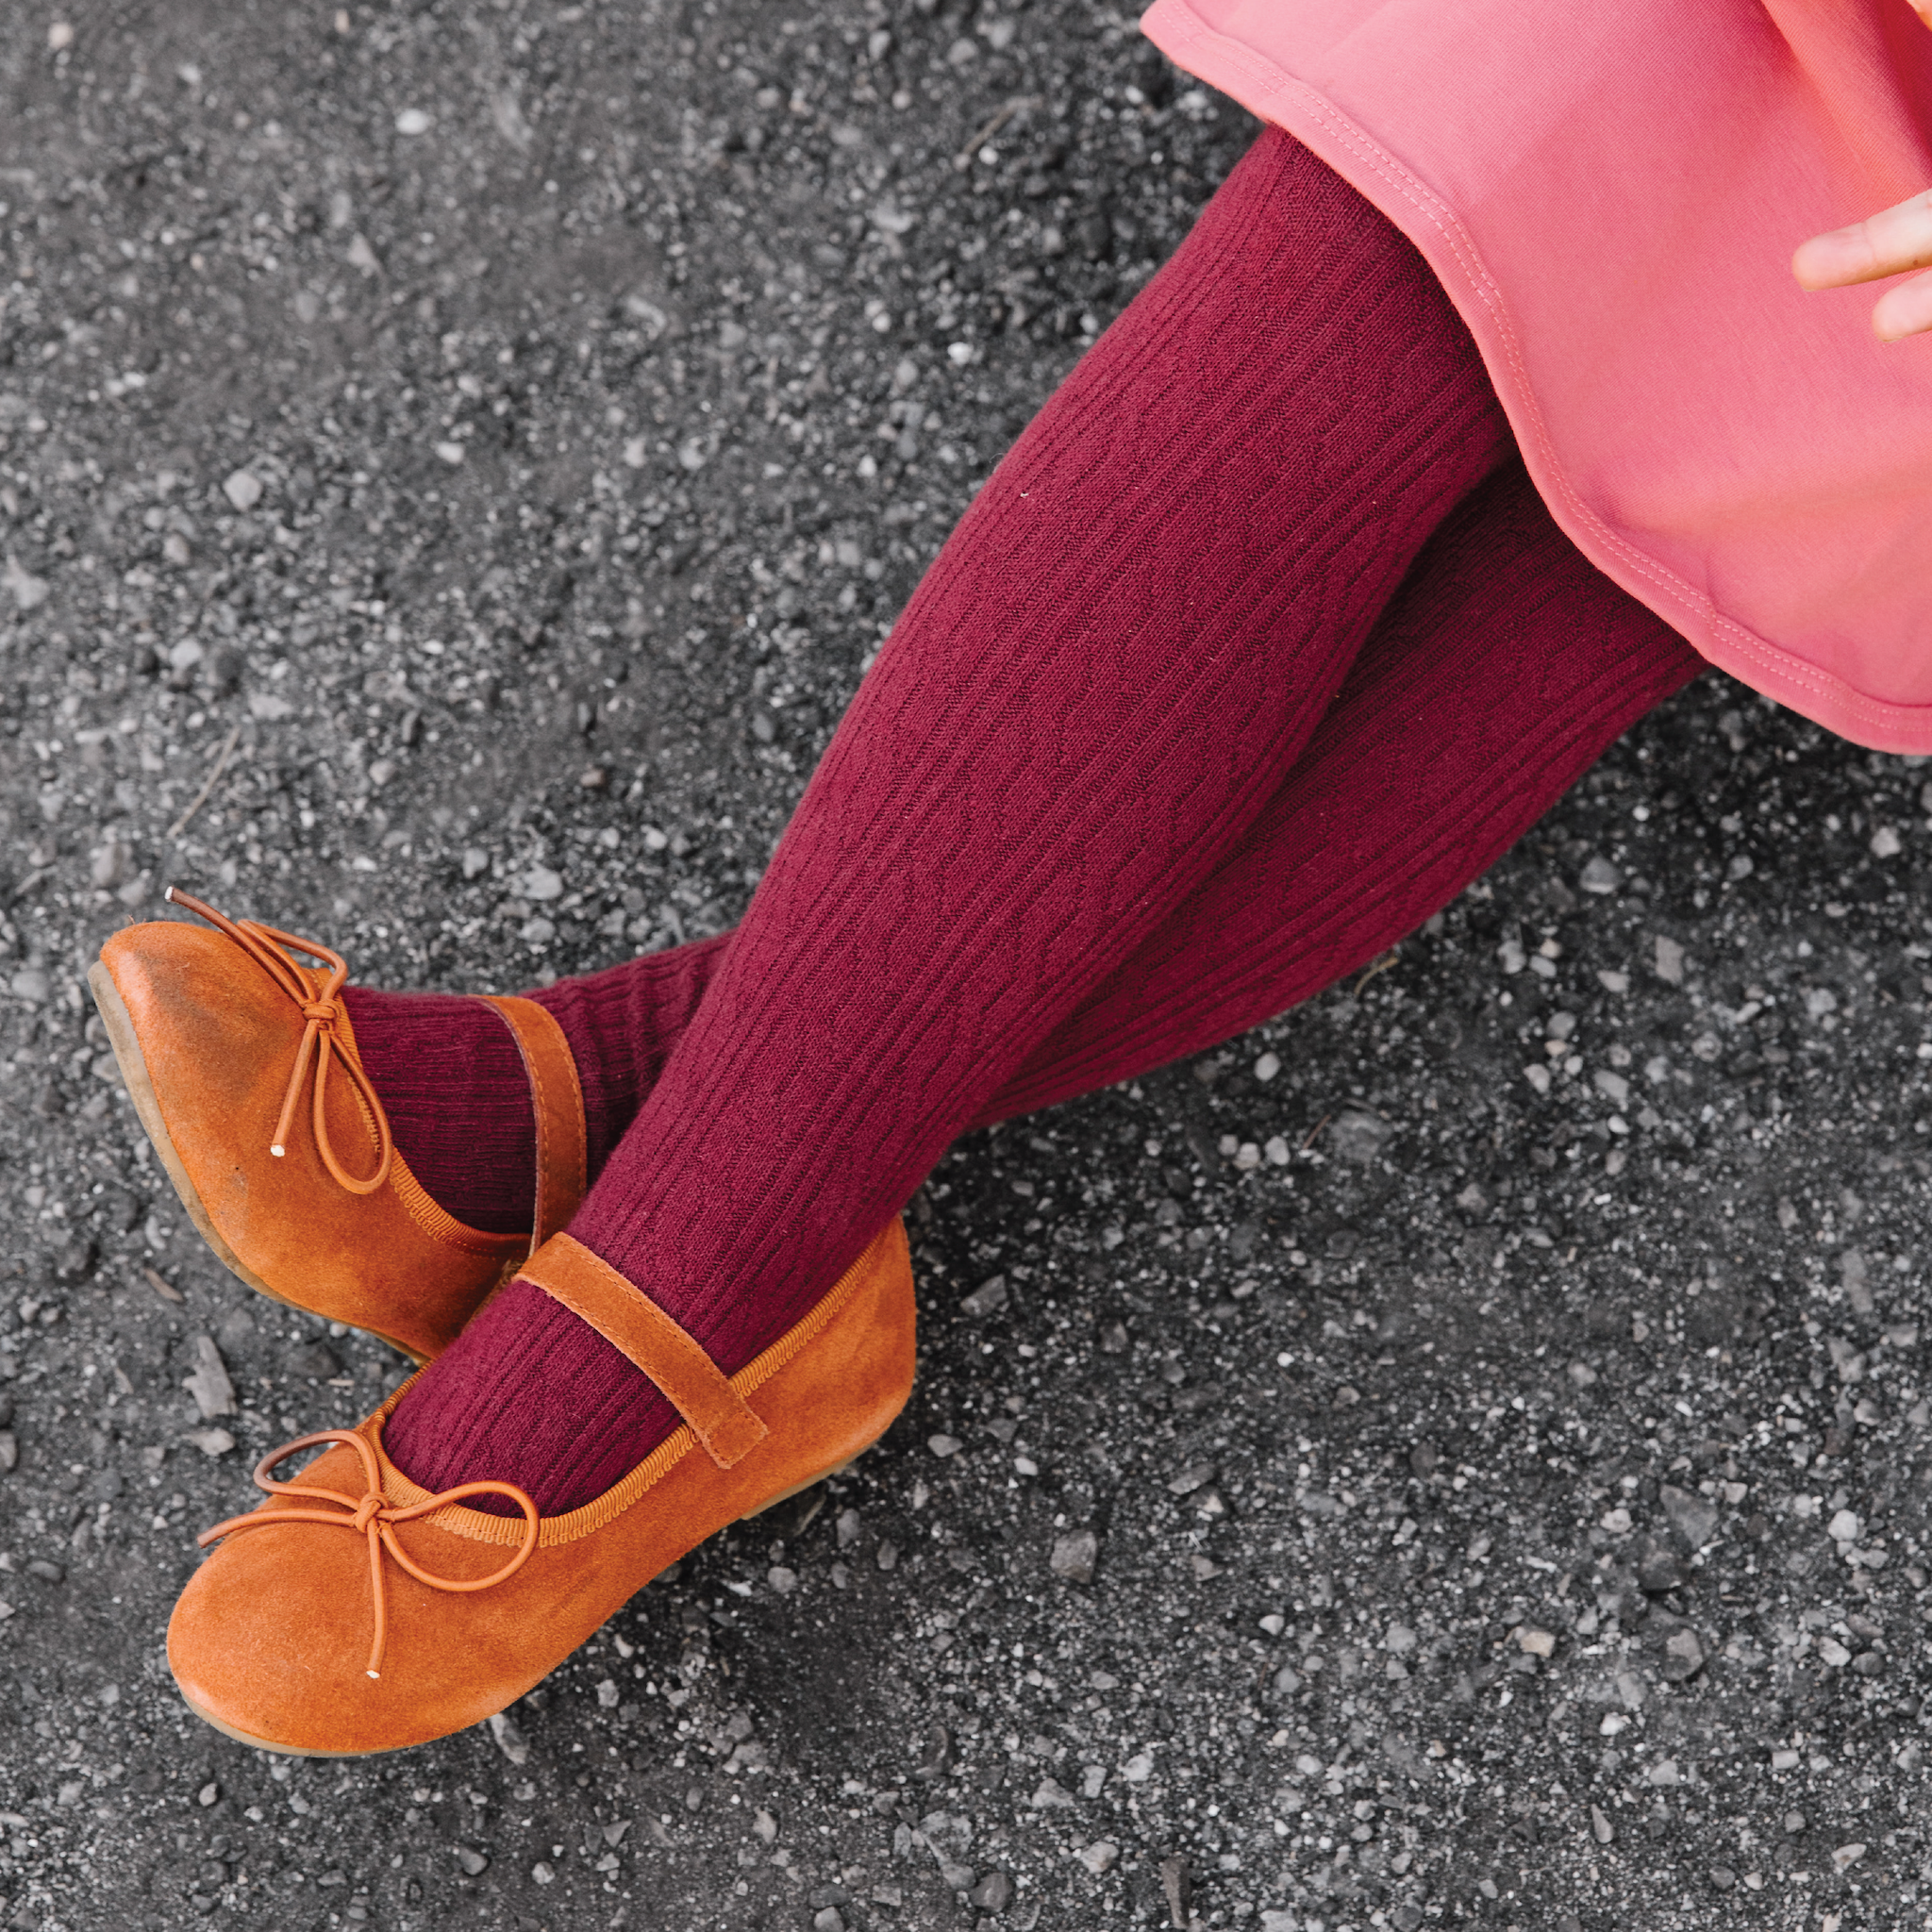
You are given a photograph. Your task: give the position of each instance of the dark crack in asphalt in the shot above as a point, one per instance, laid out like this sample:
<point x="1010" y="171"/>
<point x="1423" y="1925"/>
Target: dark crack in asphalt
<point x="1455" y="1455"/>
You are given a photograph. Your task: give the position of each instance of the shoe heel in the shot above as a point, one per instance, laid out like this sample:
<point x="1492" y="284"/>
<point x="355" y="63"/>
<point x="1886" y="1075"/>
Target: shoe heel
<point x="799" y="1488"/>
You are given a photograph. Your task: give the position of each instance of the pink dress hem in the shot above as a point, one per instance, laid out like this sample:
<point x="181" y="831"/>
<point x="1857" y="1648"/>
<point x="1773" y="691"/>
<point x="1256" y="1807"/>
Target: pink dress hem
<point x="1447" y="243"/>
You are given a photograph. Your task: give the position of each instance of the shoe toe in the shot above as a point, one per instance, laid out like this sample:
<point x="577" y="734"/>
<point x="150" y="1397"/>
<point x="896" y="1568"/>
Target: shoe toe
<point x="271" y="1641"/>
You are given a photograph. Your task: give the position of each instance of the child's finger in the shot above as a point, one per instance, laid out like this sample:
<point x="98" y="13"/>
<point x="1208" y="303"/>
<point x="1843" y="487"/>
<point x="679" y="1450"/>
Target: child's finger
<point x="1885" y="245"/>
<point x="1906" y="310"/>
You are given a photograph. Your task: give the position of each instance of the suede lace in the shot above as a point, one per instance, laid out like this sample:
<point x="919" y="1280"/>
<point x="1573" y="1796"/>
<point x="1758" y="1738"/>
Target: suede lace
<point x="316" y="997"/>
<point x="374" y="1517"/>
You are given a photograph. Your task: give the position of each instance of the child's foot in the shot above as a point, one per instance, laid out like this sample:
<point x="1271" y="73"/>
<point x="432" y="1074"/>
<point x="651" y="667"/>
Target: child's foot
<point x="246" y="1071"/>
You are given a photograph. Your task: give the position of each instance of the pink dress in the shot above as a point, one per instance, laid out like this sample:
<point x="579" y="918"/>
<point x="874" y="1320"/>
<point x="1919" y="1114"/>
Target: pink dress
<point x="1610" y="194"/>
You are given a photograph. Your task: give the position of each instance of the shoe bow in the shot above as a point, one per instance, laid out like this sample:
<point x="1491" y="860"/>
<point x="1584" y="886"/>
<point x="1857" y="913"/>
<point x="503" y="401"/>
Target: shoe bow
<point x="374" y="1517"/>
<point x="314" y="994"/>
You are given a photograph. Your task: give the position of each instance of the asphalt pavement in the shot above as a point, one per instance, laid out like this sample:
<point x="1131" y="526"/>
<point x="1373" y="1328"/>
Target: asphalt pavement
<point x="1455" y="1455"/>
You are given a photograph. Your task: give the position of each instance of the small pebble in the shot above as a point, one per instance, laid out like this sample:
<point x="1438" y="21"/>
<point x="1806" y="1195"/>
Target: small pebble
<point x="242" y="489"/>
<point x="213" y="1393"/>
<point x="993" y="1893"/>
<point x="1074" y="1556"/>
<point x="1659" y="1570"/>
<point x="314" y="1361"/>
<point x="28" y="591"/>
<point x="509" y="1738"/>
<point x="1693" y="1516"/>
<point x="985" y="1299"/>
<point x="1682" y="1656"/>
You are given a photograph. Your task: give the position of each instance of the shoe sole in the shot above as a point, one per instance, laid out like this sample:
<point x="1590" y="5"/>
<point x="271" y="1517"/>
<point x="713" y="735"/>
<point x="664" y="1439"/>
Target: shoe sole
<point x="134" y="1076"/>
<point x="254" y="1744"/>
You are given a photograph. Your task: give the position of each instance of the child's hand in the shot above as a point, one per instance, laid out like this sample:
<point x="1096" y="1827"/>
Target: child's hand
<point x="1886" y="244"/>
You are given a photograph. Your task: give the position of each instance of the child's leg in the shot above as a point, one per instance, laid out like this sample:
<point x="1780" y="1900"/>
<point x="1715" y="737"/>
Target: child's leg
<point x="1243" y="466"/>
<point x="1106" y="674"/>
<point x="458" y="1098"/>
<point x="1378" y="825"/>
<point x="1505" y="667"/>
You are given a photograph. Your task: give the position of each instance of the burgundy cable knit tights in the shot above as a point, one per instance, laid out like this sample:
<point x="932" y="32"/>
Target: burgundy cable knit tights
<point x="1254" y="651"/>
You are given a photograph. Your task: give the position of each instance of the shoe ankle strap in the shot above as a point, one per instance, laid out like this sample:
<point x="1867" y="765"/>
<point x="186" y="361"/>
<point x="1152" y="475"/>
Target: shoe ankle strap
<point x="556" y="1100"/>
<point x="642" y="1332"/>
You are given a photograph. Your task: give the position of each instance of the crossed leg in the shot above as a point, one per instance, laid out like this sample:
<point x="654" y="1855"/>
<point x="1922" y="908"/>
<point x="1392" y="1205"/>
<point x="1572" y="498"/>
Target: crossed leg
<point x="1254" y="651"/>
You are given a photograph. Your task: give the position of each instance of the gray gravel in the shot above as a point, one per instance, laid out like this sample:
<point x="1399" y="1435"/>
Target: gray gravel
<point x="1454" y="1456"/>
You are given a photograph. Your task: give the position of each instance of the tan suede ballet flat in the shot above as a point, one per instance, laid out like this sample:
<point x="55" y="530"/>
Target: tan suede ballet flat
<point x="354" y="1612"/>
<point x="217" y="1033"/>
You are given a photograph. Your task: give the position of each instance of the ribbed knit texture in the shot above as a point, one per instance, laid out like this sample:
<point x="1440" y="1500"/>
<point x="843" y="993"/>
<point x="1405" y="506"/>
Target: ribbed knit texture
<point x="453" y="1084"/>
<point x="1098" y="804"/>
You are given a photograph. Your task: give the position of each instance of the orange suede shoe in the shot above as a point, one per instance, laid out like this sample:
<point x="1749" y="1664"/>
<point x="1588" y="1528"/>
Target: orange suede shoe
<point x="216" y="1033"/>
<point x="429" y="1617"/>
